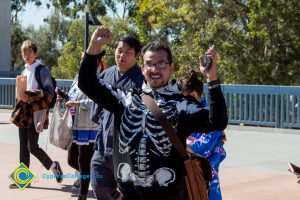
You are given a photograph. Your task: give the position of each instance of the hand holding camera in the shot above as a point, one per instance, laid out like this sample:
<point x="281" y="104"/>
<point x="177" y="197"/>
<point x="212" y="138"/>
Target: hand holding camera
<point x="208" y="64"/>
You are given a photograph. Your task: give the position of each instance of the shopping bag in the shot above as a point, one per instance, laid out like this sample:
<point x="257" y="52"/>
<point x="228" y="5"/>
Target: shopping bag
<point x="21" y="85"/>
<point x="39" y="118"/>
<point x="60" y="133"/>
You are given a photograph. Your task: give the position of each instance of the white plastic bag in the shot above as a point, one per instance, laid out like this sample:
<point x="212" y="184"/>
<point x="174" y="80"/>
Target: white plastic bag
<point x="60" y="132"/>
<point x="39" y="118"/>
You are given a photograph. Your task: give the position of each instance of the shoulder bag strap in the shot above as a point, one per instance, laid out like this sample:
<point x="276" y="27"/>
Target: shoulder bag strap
<point x="161" y="117"/>
<point x="37" y="75"/>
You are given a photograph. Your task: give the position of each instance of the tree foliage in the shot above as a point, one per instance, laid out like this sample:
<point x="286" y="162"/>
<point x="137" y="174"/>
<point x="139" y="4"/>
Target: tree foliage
<point x="68" y="62"/>
<point x="121" y="8"/>
<point x="17" y="37"/>
<point x="48" y="50"/>
<point x="58" y="26"/>
<point x="73" y="8"/>
<point x="257" y="40"/>
<point x="49" y="39"/>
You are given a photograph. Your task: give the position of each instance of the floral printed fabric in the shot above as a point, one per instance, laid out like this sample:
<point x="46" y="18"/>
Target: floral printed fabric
<point x="210" y="146"/>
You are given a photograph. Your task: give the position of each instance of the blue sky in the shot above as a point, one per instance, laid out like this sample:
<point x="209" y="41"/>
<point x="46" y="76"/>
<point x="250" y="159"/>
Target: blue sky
<point x="33" y="15"/>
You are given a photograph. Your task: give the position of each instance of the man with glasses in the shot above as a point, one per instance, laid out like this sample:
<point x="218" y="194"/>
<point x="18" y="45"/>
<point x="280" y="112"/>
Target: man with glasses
<point x="146" y="165"/>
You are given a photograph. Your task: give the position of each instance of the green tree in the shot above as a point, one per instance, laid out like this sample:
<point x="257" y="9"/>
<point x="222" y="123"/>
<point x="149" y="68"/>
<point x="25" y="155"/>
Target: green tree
<point x="257" y="40"/>
<point x="48" y="50"/>
<point x="17" y="37"/>
<point x="120" y="8"/>
<point x="68" y="62"/>
<point x="50" y="37"/>
<point x="58" y="26"/>
<point x="17" y="32"/>
<point x="75" y="8"/>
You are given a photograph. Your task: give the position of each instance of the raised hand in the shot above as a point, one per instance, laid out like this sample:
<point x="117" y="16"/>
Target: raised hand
<point x="210" y="74"/>
<point x="100" y="37"/>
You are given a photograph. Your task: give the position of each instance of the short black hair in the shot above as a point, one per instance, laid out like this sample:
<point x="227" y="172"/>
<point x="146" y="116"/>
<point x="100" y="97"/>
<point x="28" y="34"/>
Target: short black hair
<point x="155" y="46"/>
<point x="132" y="42"/>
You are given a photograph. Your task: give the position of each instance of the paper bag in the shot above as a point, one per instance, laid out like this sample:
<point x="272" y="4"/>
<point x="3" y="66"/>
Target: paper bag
<point x="21" y="86"/>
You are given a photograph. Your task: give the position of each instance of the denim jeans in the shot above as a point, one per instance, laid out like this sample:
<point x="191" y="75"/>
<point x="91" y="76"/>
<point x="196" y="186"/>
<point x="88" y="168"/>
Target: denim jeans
<point x="103" y="180"/>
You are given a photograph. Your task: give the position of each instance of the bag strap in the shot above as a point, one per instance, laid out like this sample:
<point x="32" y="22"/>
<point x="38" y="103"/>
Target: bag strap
<point x="37" y="75"/>
<point x="165" y="123"/>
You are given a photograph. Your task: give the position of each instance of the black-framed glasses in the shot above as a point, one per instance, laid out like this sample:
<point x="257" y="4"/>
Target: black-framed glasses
<point x="161" y="65"/>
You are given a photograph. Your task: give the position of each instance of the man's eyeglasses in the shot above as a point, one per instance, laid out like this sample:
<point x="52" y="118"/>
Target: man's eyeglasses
<point x="157" y="65"/>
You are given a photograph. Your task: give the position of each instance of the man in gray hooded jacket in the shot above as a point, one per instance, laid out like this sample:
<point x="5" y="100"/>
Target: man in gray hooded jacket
<point x="126" y="74"/>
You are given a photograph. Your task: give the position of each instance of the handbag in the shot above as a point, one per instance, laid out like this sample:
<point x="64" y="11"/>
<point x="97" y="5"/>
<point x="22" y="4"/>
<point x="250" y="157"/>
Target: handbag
<point x="198" y="169"/>
<point x="60" y="133"/>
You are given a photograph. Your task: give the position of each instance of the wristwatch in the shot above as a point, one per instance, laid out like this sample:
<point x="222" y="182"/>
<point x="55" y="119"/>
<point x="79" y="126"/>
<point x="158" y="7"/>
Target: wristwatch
<point x="213" y="84"/>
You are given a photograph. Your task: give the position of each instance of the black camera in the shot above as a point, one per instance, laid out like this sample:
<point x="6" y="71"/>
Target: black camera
<point x="207" y="60"/>
<point x="207" y="63"/>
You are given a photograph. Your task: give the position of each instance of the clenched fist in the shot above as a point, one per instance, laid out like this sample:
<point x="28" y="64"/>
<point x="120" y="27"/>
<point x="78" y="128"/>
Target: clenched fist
<point x="100" y="37"/>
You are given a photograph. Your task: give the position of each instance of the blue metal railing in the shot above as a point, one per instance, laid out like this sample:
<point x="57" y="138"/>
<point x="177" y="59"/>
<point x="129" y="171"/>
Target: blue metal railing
<point x="8" y="88"/>
<point x="10" y="74"/>
<point x="261" y="105"/>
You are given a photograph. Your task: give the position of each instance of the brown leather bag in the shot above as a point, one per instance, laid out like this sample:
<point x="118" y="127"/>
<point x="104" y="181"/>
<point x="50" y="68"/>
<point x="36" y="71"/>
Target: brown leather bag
<point x="198" y="169"/>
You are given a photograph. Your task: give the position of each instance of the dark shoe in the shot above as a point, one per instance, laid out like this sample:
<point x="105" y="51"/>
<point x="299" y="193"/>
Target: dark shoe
<point x="82" y="197"/>
<point x="58" y="172"/>
<point x="76" y="185"/>
<point x="13" y="186"/>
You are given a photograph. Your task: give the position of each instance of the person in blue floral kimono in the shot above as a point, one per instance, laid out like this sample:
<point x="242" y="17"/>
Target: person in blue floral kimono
<point x="208" y="145"/>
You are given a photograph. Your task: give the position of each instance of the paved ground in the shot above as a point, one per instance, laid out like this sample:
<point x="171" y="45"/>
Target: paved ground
<point x="255" y="167"/>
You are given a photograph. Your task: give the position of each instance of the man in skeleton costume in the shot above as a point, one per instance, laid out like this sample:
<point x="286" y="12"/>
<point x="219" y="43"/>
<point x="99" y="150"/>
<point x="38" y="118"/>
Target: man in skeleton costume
<point x="146" y="165"/>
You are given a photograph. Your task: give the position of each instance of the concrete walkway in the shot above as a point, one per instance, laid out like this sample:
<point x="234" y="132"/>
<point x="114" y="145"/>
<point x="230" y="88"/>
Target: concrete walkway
<point x="256" y="164"/>
<point x="255" y="167"/>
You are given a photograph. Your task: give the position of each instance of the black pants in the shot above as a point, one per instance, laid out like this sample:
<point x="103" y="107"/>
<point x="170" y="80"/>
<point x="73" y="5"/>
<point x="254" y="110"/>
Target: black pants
<point x="129" y="191"/>
<point x="29" y="144"/>
<point x="79" y="158"/>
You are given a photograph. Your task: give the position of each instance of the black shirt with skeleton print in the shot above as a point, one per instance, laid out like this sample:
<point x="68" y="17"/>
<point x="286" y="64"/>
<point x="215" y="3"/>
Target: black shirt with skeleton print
<point x="144" y="160"/>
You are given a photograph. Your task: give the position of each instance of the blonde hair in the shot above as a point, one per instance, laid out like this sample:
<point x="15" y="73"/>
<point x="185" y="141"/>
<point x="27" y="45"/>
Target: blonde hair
<point x="28" y="44"/>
